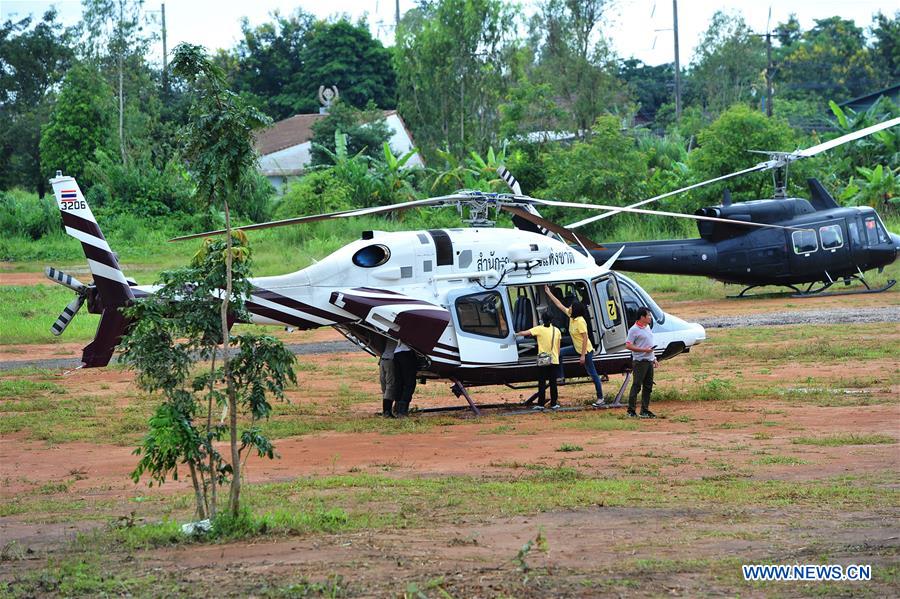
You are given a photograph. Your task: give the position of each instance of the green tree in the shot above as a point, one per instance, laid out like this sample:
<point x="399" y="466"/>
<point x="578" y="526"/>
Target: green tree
<point x="34" y="60"/>
<point x="829" y="61"/>
<point x="366" y="131"/>
<point x="450" y="82"/>
<point x="723" y="148"/>
<point x="607" y="168"/>
<point x="219" y="148"/>
<point x="574" y="58"/>
<point x="114" y="39"/>
<point x="652" y="86"/>
<point x="79" y="125"/>
<point x="347" y="56"/>
<point x="728" y="64"/>
<point x="886" y="50"/>
<point x="175" y="329"/>
<point x="282" y="63"/>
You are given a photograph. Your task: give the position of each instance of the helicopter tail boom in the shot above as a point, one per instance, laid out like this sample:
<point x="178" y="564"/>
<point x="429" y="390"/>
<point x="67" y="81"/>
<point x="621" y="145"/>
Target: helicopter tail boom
<point x="110" y="288"/>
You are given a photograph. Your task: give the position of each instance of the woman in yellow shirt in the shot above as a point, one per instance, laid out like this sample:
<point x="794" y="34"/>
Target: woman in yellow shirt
<point x="581" y="344"/>
<point x="548" y="338"/>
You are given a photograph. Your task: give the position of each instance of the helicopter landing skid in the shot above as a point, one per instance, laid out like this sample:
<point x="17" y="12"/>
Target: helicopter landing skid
<point x="820" y="292"/>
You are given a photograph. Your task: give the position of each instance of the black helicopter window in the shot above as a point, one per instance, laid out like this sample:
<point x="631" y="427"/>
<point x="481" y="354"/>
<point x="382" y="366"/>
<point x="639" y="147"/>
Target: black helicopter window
<point x="875" y="231"/>
<point x="831" y="237"/>
<point x="482" y="314"/>
<point x="805" y="241"/>
<point x="372" y="256"/>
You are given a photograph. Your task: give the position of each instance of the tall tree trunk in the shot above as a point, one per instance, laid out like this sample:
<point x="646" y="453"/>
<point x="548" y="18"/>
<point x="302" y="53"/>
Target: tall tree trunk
<point x="235" y="496"/>
<point x="213" y="475"/>
<point x="201" y="512"/>
<point x="121" y="94"/>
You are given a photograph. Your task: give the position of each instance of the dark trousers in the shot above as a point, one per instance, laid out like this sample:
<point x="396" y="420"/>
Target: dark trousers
<point x="643" y="377"/>
<point x="547" y="373"/>
<point x="388" y="384"/>
<point x="405" y="367"/>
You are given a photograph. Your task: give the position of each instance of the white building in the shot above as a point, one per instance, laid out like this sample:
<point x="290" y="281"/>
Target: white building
<point x="285" y="147"/>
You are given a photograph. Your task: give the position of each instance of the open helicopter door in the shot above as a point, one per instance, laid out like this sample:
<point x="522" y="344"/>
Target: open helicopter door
<point x="483" y="327"/>
<point x="610" y="312"/>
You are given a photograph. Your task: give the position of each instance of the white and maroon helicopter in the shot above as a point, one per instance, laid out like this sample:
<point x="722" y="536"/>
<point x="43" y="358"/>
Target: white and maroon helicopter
<point x="455" y="296"/>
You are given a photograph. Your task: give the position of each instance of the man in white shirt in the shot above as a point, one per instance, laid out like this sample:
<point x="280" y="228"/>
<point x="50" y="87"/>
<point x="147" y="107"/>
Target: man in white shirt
<point x="640" y="343"/>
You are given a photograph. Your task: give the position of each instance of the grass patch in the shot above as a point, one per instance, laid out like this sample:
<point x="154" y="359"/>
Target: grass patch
<point x="568" y="447"/>
<point x="601" y="422"/>
<point x="24" y="388"/>
<point x="779" y="459"/>
<point x="848" y="439"/>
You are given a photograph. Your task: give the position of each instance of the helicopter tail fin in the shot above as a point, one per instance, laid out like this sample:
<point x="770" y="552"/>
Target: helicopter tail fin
<point x="819" y="196"/>
<point x="113" y="290"/>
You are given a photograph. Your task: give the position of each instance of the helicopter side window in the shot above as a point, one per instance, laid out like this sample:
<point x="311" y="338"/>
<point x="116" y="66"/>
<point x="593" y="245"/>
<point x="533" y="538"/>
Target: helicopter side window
<point x="632" y="303"/>
<point x="805" y="242"/>
<point x="482" y="314"/>
<point x="854" y="233"/>
<point x="831" y="237"/>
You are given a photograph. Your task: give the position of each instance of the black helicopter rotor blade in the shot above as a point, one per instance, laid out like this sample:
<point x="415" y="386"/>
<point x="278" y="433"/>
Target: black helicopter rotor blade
<point x="777" y="160"/>
<point x="326" y="216"/>
<point x="658" y="213"/>
<point x="540" y="221"/>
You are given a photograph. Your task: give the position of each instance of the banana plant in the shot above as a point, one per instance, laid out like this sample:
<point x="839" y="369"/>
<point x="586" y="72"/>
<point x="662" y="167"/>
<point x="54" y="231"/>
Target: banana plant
<point x="394" y="182"/>
<point x="877" y="187"/>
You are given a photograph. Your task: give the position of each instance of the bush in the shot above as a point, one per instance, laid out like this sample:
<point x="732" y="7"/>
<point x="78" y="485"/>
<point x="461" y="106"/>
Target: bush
<point x="316" y="193"/>
<point x="23" y="213"/>
<point x="139" y="188"/>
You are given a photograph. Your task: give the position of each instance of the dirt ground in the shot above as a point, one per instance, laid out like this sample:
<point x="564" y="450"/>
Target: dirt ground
<point x="600" y="547"/>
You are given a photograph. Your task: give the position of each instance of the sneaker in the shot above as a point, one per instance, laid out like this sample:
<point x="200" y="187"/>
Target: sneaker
<point x="538" y="407"/>
<point x="647" y="414"/>
<point x="632" y="414"/>
<point x="600" y="403"/>
<point x="554" y="406"/>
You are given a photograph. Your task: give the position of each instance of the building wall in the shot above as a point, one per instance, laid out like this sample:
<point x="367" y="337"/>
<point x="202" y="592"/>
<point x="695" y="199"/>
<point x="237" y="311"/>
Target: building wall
<point x="289" y="162"/>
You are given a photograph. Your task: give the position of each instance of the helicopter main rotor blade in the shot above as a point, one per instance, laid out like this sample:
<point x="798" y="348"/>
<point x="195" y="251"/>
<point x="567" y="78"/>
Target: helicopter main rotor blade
<point x="581" y="223"/>
<point x="436" y="201"/>
<point x="779" y="159"/>
<point x="659" y="213"/>
<point x="275" y="223"/>
<point x="837" y="141"/>
<point x="551" y="226"/>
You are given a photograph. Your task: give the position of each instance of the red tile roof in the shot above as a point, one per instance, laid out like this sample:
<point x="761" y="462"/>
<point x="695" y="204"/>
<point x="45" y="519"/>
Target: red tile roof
<point x="290" y="132"/>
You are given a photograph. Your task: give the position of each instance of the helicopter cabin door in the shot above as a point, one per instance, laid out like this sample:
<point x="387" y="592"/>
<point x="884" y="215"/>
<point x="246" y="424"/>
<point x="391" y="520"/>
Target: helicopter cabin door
<point x="483" y="327"/>
<point x="611" y="313"/>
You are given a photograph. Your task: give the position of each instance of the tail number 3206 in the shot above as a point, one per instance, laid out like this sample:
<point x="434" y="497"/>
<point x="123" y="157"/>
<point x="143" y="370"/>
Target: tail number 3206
<point x="72" y="204"/>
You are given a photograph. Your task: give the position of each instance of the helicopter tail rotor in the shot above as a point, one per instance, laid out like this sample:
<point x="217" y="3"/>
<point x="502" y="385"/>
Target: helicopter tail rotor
<point x="81" y="292"/>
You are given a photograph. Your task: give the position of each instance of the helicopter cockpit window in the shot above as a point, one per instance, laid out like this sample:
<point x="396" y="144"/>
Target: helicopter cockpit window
<point x="632" y="303"/>
<point x="805" y="241"/>
<point x="372" y="256"/>
<point x="875" y="231"/>
<point x="831" y="237"/>
<point x="644" y="298"/>
<point x="482" y="314"/>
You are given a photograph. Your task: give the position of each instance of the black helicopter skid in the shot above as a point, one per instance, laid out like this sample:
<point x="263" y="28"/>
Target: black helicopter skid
<point x="820" y="291"/>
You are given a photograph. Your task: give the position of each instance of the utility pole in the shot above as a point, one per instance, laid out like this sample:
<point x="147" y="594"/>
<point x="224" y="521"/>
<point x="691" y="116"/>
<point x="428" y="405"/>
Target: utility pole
<point x="165" y="74"/>
<point x="677" y="62"/>
<point x="396" y="14"/>
<point x="768" y="74"/>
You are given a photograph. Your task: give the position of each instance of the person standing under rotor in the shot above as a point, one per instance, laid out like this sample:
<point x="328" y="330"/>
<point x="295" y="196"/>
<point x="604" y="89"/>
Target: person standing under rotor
<point x="640" y="343"/>
<point x="581" y="344"/>
<point x="548" y="338"/>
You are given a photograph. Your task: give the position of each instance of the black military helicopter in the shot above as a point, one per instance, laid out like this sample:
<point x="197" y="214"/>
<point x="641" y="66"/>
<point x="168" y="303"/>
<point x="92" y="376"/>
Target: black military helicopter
<point x="821" y="243"/>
